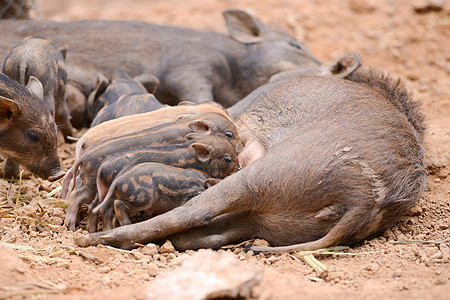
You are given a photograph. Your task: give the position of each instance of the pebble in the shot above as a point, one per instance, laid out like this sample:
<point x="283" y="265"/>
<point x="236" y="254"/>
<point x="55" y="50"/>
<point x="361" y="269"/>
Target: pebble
<point x="149" y="249"/>
<point x="152" y="269"/>
<point x="373" y="267"/>
<point x="104" y="270"/>
<point x="397" y="273"/>
<point x="177" y="261"/>
<point x="167" y="247"/>
<point x="437" y="255"/>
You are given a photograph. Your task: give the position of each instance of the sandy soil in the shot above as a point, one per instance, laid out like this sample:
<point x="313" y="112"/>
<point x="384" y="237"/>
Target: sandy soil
<point x="38" y="259"/>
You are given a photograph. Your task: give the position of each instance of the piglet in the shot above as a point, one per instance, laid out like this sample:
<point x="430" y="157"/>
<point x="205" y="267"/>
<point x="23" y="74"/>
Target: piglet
<point x="38" y="57"/>
<point x="27" y="130"/>
<point x="156" y="188"/>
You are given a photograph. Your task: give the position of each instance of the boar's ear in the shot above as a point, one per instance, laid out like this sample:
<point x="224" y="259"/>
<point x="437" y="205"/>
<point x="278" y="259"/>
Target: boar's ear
<point x="202" y="151"/>
<point x="200" y="126"/>
<point x="244" y="27"/>
<point x="345" y="65"/>
<point x="211" y="182"/>
<point x="8" y="109"/>
<point x="63" y="51"/>
<point x="149" y="81"/>
<point x="35" y="86"/>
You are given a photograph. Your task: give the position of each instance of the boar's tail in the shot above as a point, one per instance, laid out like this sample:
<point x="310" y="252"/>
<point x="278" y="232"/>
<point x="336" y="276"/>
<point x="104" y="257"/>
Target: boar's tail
<point x="104" y="201"/>
<point x="348" y="224"/>
<point x="395" y="92"/>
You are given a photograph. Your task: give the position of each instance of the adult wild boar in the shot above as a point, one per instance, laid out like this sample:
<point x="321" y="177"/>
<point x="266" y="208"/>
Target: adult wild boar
<point x="191" y="65"/>
<point x="335" y="161"/>
<point x="27" y="130"/>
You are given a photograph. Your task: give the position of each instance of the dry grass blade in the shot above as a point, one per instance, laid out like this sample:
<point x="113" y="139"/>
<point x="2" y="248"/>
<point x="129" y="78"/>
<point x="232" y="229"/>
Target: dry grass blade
<point x="317" y="266"/>
<point x="421" y="242"/>
<point x="9" y="197"/>
<point x="20" y="187"/>
<point x="118" y="249"/>
<point x="17" y="246"/>
<point x="25" y="293"/>
<point x="56" y="190"/>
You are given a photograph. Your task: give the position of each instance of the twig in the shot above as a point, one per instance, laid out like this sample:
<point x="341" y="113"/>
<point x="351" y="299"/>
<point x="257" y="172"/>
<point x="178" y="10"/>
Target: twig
<point x="83" y="254"/>
<point x="17" y="246"/>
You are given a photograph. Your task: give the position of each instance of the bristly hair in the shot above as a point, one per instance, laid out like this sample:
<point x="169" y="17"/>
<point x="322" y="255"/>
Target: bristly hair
<point x="394" y="90"/>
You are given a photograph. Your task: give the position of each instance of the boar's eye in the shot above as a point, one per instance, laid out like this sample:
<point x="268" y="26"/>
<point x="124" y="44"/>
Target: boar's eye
<point x="227" y="158"/>
<point x="31" y="135"/>
<point x="229" y="134"/>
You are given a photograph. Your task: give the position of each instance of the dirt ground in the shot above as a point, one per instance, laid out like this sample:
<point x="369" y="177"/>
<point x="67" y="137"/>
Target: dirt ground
<point x="406" y="38"/>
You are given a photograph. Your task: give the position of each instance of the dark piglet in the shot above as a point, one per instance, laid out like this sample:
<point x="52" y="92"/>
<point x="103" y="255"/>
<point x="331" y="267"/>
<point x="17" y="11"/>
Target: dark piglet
<point x="170" y="133"/>
<point x="191" y="65"/>
<point x="76" y="103"/>
<point x="339" y="161"/>
<point x="38" y="57"/>
<point x="107" y="91"/>
<point x="156" y="188"/>
<point x="27" y="130"/>
<point x="129" y="104"/>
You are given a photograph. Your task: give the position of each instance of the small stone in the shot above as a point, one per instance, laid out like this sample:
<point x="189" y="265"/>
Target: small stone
<point x="397" y="273"/>
<point x="440" y="281"/>
<point x="425" y="6"/>
<point x="416" y="210"/>
<point x="443" y="226"/>
<point x="149" y="249"/>
<point x="167" y="247"/>
<point x="152" y="269"/>
<point x="20" y="269"/>
<point x="273" y="259"/>
<point x="260" y="242"/>
<point x="177" y="261"/>
<point x="106" y="280"/>
<point x="437" y="255"/>
<point x="372" y="267"/>
<point x="104" y="270"/>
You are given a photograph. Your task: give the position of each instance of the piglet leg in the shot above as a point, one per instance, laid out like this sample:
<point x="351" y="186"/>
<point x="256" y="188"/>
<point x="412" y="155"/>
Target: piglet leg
<point x="217" y="200"/>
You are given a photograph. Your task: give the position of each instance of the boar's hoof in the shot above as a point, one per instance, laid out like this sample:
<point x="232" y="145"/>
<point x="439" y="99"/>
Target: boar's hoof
<point x="57" y="175"/>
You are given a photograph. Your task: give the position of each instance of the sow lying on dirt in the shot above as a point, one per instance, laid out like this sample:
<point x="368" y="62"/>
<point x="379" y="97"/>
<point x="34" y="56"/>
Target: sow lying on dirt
<point x="334" y="162"/>
<point x="191" y="65"/>
<point x="27" y="130"/>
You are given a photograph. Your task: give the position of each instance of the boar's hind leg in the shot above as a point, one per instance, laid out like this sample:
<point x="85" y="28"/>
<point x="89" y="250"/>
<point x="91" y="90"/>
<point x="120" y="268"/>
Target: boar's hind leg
<point x="223" y="230"/>
<point x="349" y="223"/>
<point x="200" y="210"/>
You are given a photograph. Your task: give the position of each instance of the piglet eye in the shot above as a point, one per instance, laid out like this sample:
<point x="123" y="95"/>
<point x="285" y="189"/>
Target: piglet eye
<point x="229" y="134"/>
<point x="296" y="44"/>
<point x="227" y="158"/>
<point x="31" y="135"/>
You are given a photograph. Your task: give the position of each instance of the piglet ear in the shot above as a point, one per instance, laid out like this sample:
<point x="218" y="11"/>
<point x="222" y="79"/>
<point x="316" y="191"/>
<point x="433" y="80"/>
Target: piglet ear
<point x="63" y="51"/>
<point x="35" y="86"/>
<point x="149" y="81"/>
<point x="244" y="27"/>
<point x="200" y="126"/>
<point x="8" y="110"/>
<point x="211" y="182"/>
<point x="203" y="152"/>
